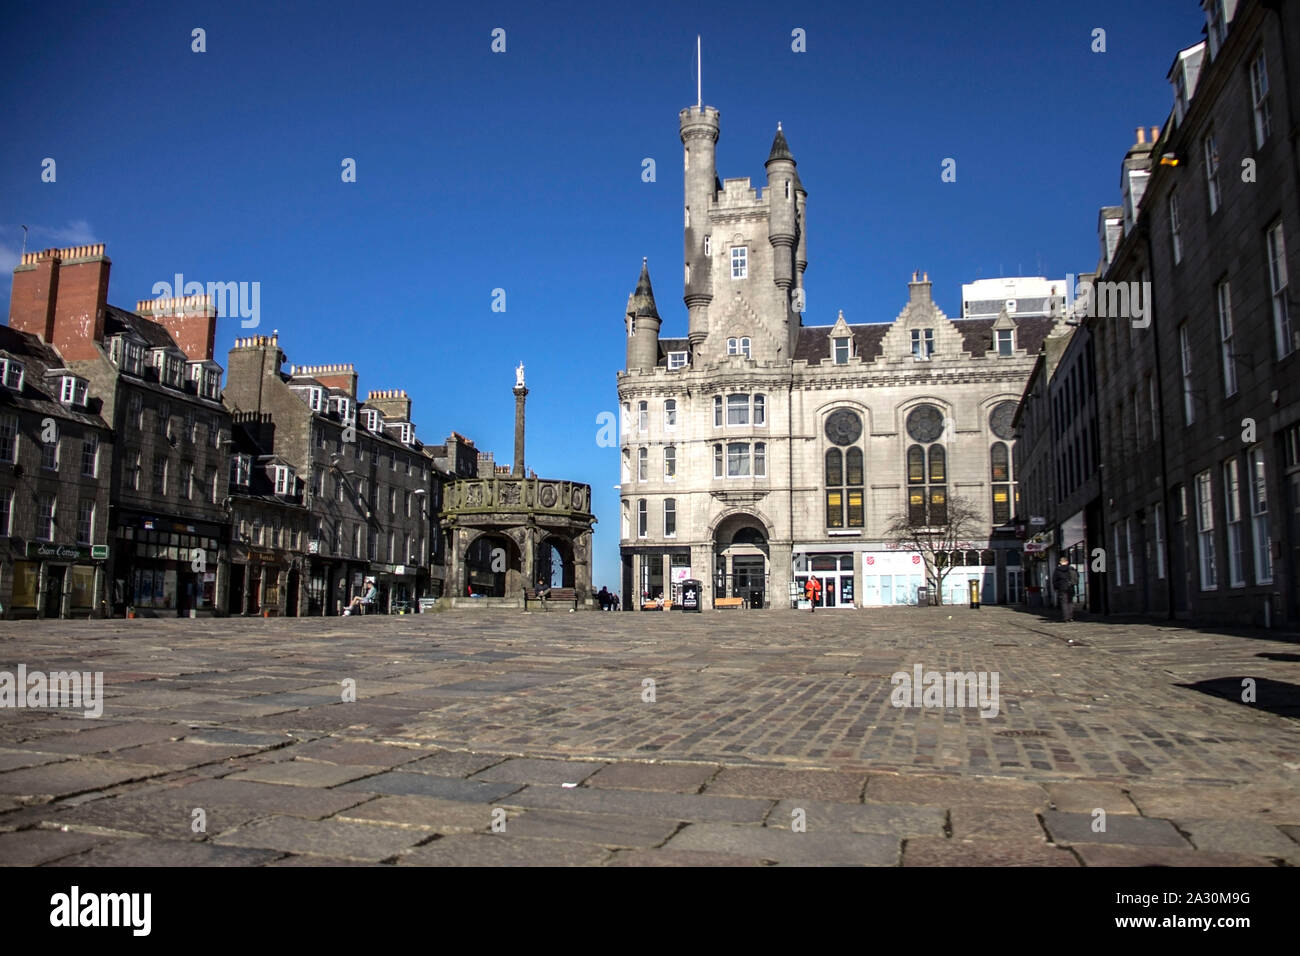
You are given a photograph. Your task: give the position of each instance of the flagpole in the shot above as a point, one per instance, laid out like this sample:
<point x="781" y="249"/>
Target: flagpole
<point x="699" y="69"/>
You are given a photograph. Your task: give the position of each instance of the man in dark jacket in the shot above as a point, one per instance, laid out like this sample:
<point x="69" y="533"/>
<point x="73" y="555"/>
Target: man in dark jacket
<point x="1064" y="581"/>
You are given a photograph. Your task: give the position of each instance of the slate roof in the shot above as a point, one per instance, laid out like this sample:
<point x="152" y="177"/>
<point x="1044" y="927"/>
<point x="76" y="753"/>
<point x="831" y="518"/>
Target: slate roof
<point x="40" y="395"/>
<point x="119" y="320"/>
<point x="977" y="337"/>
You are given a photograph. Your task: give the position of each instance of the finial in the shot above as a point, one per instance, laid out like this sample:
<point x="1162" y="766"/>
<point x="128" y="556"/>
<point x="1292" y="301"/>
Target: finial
<point x="778" y="126"/>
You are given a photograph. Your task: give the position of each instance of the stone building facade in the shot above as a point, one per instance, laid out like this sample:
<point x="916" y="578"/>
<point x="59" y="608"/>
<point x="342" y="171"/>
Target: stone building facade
<point x="168" y="528"/>
<point x="1203" y="483"/>
<point x="356" y="466"/>
<point x="758" y="450"/>
<point x="55" y="458"/>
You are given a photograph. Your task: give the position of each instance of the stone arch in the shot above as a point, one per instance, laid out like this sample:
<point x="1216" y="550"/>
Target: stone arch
<point x="553" y="549"/>
<point x="492" y="564"/>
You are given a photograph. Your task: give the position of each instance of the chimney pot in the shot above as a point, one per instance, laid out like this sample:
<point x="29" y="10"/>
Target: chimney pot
<point x="1141" y="134"/>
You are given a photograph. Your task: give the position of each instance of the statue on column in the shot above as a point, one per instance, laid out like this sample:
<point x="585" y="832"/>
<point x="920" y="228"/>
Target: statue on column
<point x="519" y="376"/>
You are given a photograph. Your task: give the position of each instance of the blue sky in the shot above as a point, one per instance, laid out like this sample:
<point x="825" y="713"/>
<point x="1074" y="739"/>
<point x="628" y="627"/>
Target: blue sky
<point x="522" y="170"/>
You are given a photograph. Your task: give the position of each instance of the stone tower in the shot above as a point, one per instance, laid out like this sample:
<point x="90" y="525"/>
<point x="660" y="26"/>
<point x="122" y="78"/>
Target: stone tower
<point x="643" y="324"/>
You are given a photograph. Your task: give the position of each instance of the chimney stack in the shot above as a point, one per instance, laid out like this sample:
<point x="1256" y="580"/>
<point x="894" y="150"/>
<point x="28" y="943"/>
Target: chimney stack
<point x="61" y="296"/>
<point x="191" y="320"/>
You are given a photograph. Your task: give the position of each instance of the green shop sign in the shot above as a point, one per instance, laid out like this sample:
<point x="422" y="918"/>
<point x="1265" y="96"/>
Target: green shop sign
<point x="66" y="552"/>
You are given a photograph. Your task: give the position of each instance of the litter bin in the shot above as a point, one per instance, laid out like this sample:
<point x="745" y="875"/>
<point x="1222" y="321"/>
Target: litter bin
<point x="974" y="584"/>
<point x="922" y="596"/>
<point x="690" y="595"/>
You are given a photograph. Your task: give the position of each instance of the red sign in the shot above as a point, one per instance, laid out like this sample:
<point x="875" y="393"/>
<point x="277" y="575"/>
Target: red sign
<point x="916" y="559"/>
<point x="871" y="559"/>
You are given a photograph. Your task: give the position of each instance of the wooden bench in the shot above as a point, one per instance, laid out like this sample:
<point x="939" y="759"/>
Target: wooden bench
<point x="720" y="603"/>
<point x="567" y="595"/>
<point x="657" y="606"/>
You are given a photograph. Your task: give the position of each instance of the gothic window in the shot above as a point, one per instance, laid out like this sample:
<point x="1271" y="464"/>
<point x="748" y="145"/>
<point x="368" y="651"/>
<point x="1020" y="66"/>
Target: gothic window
<point x="927" y="488"/>
<point x="739" y="346"/>
<point x="1000" y="474"/>
<point x="844" y="488"/>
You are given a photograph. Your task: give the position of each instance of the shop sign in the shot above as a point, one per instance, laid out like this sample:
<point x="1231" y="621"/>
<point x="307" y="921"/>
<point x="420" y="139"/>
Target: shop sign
<point x="58" y="552"/>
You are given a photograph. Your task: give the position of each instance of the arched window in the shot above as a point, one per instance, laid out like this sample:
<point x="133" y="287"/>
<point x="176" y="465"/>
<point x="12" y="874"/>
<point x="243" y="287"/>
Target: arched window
<point x="670" y="413"/>
<point x="1000" y="473"/>
<point x="916" y="465"/>
<point x="938" y="470"/>
<point x="642" y="464"/>
<point x="844" y="486"/>
<point x="670" y="463"/>
<point x="927" y="468"/>
<point x="760" y="410"/>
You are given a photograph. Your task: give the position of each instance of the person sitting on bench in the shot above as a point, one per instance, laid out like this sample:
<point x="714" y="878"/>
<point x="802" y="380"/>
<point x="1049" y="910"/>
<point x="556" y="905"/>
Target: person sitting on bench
<point x="543" y="590"/>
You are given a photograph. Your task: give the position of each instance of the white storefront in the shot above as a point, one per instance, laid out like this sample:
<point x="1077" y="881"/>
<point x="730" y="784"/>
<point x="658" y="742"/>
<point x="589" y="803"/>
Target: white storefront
<point x="881" y="578"/>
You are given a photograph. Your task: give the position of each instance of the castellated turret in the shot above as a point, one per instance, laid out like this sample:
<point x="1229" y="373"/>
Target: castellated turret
<point x="699" y="126"/>
<point x="643" y="324"/>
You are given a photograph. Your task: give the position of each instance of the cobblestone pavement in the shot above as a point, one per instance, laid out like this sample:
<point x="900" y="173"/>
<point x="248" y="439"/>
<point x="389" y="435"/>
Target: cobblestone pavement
<point x="504" y="738"/>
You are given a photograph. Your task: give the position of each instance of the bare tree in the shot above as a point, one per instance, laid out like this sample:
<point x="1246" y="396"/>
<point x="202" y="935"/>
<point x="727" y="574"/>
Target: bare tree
<point x="961" y="522"/>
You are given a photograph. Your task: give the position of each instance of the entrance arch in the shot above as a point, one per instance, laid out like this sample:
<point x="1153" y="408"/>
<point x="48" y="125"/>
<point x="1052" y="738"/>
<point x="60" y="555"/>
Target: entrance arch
<point x="492" y="566"/>
<point x="742" y="559"/>
<point x="554" y="562"/>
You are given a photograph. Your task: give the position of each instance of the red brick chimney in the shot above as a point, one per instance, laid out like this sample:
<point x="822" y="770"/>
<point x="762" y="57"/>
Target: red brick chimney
<point x="60" y="295"/>
<point x="342" y="376"/>
<point x="191" y="320"/>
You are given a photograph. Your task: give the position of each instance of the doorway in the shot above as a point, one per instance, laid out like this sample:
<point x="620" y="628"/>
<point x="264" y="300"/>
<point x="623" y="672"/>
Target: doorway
<point x="54" y="575"/>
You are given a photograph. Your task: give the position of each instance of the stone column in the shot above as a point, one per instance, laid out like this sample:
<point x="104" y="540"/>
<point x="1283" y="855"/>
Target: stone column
<point x="521" y="393"/>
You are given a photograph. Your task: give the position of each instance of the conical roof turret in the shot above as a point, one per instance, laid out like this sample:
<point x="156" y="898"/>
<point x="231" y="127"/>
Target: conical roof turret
<point x="780" y="148"/>
<point x="642" y="301"/>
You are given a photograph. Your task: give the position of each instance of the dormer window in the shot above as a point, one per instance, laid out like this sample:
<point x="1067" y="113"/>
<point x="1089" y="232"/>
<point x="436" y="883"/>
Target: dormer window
<point x="841" y="350"/>
<point x="169" y="368"/>
<point x="677" y="360"/>
<point x="343" y="406"/>
<point x="316" y="398"/>
<point x="373" y="419"/>
<point x="1217" y="24"/>
<point x="738" y="347"/>
<point x="407" y="433"/>
<point x="12" y="374"/>
<point x="283" y="480"/>
<point x="922" y="343"/>
<point x="241" y="470"/>
<point x="1004" y="341"/>
<point x="132" y="358"/>
<point x="72" y="390"/>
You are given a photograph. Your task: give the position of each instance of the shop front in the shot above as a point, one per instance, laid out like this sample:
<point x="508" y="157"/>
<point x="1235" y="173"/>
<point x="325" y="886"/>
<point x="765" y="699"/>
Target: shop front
<point x="396" y="585"/>
<point x="55" y="580"/>
<point x="263" y="582"/>
<point x="166" y="568"/>
<point x="835" y="573"/>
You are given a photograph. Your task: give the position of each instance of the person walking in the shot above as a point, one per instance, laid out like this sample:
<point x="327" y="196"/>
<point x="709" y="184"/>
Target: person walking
<point x="812" y="590"/>
<point x="1064" y="581"/>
